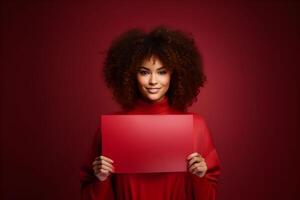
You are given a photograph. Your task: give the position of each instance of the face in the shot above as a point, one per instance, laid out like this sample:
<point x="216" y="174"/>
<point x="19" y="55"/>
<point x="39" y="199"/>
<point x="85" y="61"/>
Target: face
<point x="153" y="79"/>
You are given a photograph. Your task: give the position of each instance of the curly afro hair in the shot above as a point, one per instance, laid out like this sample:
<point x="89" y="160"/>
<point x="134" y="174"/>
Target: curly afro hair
<point x="176" y="50"/>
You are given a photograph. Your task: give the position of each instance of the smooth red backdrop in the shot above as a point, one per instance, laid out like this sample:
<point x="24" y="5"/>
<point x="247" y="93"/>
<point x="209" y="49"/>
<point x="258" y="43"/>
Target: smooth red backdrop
<point x="52" y="93"/>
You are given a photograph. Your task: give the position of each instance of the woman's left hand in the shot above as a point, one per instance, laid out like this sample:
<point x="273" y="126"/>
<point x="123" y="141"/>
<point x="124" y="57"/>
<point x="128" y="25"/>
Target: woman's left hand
<point x="197" y="164"/>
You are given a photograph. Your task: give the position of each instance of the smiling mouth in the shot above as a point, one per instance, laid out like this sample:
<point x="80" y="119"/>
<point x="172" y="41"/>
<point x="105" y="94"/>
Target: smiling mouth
<point x="153" y="90"/>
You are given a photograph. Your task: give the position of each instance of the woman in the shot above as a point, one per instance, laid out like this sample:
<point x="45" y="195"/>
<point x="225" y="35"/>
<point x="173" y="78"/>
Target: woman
<point x="159" y="72"/>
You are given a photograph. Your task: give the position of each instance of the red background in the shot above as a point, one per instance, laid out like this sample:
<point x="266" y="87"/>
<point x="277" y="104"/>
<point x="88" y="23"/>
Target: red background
<point x="52" y="93"/>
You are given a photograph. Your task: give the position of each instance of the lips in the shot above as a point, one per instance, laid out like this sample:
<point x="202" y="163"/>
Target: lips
<point x="153" y="90"/>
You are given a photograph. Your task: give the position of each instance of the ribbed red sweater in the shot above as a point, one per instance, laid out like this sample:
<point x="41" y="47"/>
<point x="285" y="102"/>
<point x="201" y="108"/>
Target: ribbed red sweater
<point x="155" y="186"/>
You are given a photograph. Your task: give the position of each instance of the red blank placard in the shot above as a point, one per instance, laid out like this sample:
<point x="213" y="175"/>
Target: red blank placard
<point x="147" y="143"/>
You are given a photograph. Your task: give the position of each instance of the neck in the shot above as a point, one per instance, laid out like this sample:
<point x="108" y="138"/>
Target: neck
<point x="146" y="100"/>
<point x="150" y="107"/>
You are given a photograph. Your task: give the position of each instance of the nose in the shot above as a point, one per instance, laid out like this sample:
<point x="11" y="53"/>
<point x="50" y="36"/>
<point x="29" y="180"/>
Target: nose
<point x="153" y="80"/>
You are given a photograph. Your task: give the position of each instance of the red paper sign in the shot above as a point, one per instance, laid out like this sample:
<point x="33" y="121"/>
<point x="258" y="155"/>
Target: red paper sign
<point x="147" y="143"/>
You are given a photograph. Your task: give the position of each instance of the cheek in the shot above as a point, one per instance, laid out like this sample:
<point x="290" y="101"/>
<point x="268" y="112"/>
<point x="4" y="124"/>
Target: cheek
<point x="141" y="81"/>
<point x="166" y="80"/>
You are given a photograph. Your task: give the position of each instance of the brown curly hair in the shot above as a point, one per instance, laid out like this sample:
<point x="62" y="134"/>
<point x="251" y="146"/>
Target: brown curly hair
<point x="176" y="50"/>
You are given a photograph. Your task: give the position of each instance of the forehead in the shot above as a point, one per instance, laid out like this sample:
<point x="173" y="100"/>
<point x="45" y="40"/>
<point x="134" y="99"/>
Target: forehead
<point x="152" y="63"/>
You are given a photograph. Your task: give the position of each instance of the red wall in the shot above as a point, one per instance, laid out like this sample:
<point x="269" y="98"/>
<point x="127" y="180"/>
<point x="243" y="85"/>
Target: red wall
<point x="52" y="93"/>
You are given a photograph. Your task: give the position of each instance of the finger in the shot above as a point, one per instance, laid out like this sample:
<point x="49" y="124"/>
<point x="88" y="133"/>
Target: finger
<point x="102" y="162"/>
<point x="195" y="160"/>
<point x="95" y="169"/>
<point x="199" y="169"/>
<point x="192" y="155"/>
<point x="106" y="159"/>
<point x="107" y="168"/>
<point x="107" y="165"/>
<point x="191" y="168"/>
<point x="104" y="171"/>
<point x="96" y="162"/>
<point x="195" y="165"/>
<point x="99" y="158"/>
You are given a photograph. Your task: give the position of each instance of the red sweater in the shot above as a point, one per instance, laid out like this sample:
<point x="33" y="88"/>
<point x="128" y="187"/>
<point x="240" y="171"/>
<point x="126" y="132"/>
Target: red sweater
<point x="155" y="186"/>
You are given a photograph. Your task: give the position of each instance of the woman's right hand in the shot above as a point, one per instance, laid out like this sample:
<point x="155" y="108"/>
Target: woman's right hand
<point x="103" y="167"/>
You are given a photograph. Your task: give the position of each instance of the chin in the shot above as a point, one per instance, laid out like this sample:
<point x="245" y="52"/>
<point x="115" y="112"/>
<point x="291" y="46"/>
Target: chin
<point x="154" y="97"/>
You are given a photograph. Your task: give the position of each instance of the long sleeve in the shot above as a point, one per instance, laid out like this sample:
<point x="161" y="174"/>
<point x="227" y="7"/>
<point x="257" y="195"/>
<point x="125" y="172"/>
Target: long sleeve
<point x="91" y="187"/>
<point x="205" y="188"/>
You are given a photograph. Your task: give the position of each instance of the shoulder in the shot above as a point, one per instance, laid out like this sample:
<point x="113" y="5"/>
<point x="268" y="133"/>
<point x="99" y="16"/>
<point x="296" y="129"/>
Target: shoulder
<point x="100" y="117"/>
<point x="196" y="116"/>
<point x="198" y="119"/>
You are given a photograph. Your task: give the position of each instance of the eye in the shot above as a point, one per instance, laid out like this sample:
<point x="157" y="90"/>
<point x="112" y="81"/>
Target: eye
<point x="143" y="72"/>
<point x="162" y="72"/>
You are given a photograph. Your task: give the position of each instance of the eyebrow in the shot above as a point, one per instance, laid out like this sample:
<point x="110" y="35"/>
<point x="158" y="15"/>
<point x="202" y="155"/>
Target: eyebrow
<point x="149" y="70"/>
